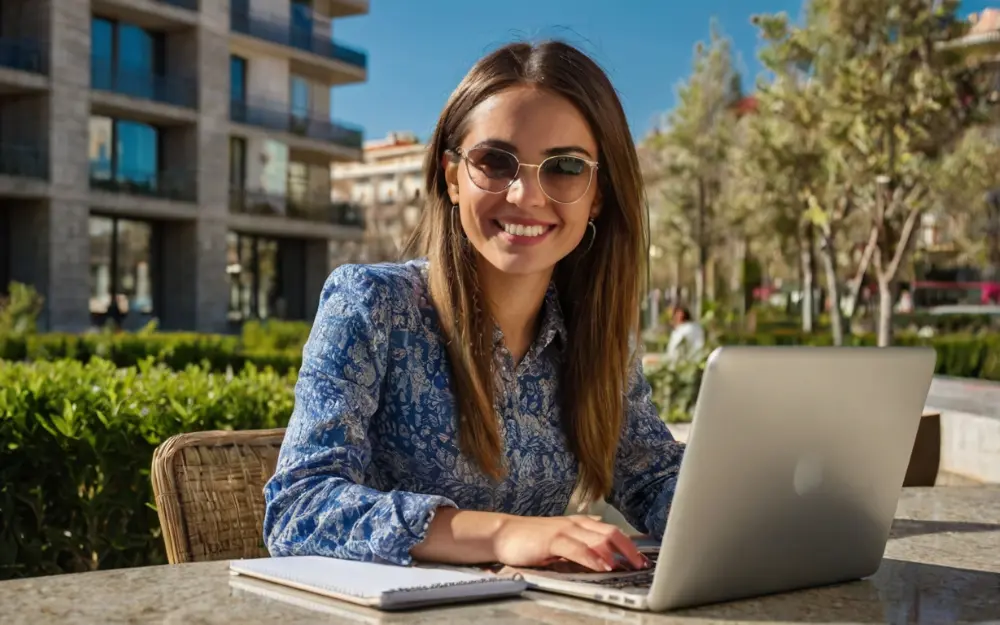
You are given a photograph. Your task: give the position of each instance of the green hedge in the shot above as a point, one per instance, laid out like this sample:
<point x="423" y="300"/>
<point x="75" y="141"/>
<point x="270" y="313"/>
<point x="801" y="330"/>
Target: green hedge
<point x="175" y="350"/>
<point x="76" y="445"/>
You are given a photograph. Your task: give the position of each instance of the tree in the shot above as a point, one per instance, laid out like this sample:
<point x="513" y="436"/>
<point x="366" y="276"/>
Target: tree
<point x="689" y="157"/>
<point x="893" y="104"/>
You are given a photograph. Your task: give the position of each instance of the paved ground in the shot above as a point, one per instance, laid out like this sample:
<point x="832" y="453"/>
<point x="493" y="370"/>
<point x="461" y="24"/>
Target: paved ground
<point x="976" y="397"/>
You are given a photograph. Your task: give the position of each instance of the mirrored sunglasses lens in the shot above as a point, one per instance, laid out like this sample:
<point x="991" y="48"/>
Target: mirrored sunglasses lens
<point x="566" y="179"/>
<point x="491" y="169"/>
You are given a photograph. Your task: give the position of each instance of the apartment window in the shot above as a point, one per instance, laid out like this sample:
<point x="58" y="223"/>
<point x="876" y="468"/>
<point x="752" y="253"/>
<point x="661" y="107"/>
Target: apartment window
<point x="302" y="22"/>
<point x="126" y="58"/>
<point x="237" y="78"/>
<point x="299" y="93"/>
<point x="124" y="151"/>
<point x="237" y="163"/>
<point x="298" y="182"/>
<point x="121" y="276"/>
<point x="254" y="270"/>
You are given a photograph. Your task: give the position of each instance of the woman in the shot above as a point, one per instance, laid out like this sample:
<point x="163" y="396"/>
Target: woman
<point x="447" y="408"/>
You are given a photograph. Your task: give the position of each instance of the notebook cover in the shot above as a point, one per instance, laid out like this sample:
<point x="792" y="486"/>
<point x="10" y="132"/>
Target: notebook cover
<point x="384" y="586"/>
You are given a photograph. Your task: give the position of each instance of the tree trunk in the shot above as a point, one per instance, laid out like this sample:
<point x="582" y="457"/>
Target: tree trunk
<point x="859" y="280"/>
<point x="829" y="254"/>
<point x="807" y="268"/>
<point x="700" y="281"/>
<point x="884" y="312"/>
<point x="701" y="285"/>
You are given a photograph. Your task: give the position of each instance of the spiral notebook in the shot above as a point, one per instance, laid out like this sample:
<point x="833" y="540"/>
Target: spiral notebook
<point x="382" y="586"/>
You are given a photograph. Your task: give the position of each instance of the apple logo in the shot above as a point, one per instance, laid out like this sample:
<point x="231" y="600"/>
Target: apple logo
<point x="808" y="475"/>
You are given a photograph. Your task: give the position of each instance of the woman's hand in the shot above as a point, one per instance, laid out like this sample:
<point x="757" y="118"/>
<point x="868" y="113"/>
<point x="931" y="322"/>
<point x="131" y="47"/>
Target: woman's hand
<point x="537" y="541"/>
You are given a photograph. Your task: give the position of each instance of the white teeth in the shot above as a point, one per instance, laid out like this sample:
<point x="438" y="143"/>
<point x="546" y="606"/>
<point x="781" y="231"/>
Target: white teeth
<point x="519" y="230"/>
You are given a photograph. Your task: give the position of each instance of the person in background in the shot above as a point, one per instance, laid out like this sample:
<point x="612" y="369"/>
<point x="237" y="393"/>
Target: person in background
<point x="449" y="408"/>
<point x="687" y="339"/>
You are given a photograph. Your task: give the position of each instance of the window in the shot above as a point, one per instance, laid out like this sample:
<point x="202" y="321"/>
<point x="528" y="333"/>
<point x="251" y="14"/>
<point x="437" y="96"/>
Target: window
<point x="121" y="277"/>
<point x="237" y="79"/>
<point x="298" y="182"/>
<point x="254" y="269"/>
<point x="302" y="23"/>
<point x="237" y="163"/>
<point x="126" y="58"/>
<point x="124" y="151"/>
<point x="300" y="97"/>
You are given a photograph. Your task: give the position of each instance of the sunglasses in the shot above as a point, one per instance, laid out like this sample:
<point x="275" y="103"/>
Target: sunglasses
<point x="563" y="178"/>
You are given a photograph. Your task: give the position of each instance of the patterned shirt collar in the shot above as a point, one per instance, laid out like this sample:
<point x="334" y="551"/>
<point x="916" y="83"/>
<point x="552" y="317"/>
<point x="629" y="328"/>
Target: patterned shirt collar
<point x="553" y="323"/>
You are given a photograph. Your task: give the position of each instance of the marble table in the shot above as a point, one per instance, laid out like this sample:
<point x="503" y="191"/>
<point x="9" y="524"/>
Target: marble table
<point x="942" y="565"/>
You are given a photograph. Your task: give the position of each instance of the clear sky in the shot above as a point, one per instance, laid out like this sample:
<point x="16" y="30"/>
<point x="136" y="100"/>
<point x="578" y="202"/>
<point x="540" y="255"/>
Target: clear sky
<point x="418" y="50"/>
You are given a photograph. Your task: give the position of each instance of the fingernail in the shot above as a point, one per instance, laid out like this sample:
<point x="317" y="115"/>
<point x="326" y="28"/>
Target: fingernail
<point x="608" y="567"/>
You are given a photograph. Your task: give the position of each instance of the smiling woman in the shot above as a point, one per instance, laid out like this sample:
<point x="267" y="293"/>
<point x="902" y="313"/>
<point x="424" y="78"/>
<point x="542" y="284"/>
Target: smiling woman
<point x="448" y="408"/>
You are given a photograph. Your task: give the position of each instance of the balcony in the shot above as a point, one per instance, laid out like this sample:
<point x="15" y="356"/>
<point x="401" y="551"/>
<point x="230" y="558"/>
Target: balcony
<point x="275" y="116"/>
<point x="24" y="161"/>
<point x="280" y="31"/>
<point x="183" y="4"/>
<point x="22" y="54"/>
<point x="316" y="209"/>
<point x="176" y="185"/>
<point x="105" y="75"/>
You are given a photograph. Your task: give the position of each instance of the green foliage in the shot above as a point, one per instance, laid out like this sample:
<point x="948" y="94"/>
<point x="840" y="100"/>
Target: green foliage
<point x="675" y="385"/>
<point x="76" y="446"/>
<point x="19" y="310"/>
<point x="275" y="335"/>
<point x="175" y="350"/>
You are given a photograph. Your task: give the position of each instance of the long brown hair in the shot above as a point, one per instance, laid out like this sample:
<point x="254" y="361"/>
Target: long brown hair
<point x="599" y="286"/>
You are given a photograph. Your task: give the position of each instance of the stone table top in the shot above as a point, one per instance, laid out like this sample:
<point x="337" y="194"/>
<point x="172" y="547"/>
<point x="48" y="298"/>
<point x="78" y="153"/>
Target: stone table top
<point x="942" y="565"/>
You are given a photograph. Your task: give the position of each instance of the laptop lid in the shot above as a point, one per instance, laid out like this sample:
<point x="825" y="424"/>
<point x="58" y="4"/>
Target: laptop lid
<point x="792" y="472"/>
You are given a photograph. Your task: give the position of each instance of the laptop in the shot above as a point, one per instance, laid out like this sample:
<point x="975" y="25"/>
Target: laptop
<point x="790" y="480"/>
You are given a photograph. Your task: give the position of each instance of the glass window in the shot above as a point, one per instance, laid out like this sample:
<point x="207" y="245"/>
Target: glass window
<point x="237" y="162"/>
<point x="100" y="148"/>
<point x="101" y="229"/>
<point x="298" y="182"/>
<point x="133" y="278"/>
<point x="137" y="152"/>
<point x="102" y="51"/>
<point x="254" y="272"/>
<point x="237" y="78"/>
<point x="121" y="278"/>
<point x="125" y="150"/>
<point x="300" y="97"/>
<point x="302" y="22"/>
<point x="136" y="61"/>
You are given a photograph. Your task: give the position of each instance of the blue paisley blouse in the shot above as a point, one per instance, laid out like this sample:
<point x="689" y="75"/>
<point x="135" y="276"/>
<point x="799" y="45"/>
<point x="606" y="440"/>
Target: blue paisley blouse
<point x="370" y="451"/>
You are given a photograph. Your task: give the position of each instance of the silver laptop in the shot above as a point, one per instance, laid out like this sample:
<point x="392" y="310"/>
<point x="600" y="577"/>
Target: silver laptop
<point x="790" y="480"/>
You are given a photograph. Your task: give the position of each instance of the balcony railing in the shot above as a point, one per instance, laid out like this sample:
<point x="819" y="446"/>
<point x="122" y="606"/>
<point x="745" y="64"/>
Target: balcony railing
<point x="178" y="185"/>
<point x="275" y="116"/>
<point x="279" y="30"/>
<point x="184" y="4"/>
<point x="105" y="75"/>
<point x="22" y="54"/>
<point x="320" y="210"/>
<point x="24" y="161"/>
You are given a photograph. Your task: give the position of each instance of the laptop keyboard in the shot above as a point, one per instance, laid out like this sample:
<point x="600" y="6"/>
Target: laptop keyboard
<point x="630" y="578"/>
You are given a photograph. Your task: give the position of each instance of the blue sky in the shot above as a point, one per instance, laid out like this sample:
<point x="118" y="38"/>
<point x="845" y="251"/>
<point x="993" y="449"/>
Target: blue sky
<point x="418" y="50"/>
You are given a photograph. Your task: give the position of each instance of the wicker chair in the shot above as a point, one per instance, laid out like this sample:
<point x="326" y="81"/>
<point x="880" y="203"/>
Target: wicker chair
<point x="209" y="493"/>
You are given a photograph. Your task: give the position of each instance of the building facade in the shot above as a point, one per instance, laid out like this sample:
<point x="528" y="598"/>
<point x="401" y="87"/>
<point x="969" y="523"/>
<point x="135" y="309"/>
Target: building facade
<point x="386" y="187"/>
<point x="169" y="159"/>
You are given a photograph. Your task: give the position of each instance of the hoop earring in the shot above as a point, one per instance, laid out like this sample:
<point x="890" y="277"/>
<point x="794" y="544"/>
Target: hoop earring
<point x="593" y="235"/>
<point x="458" y="226"/>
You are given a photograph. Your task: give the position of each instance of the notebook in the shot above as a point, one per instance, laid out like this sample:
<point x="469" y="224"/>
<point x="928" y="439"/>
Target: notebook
<point x="382" y="586"/>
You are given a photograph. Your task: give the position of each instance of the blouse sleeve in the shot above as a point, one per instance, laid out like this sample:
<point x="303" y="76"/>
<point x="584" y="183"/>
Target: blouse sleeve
<point x="317" y="502"/>
<point x="647" y="462"/>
